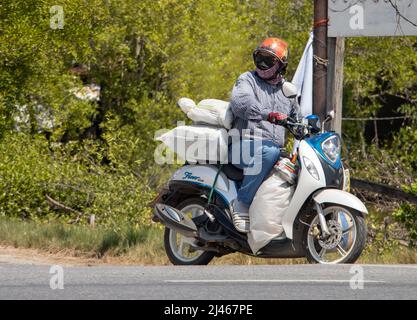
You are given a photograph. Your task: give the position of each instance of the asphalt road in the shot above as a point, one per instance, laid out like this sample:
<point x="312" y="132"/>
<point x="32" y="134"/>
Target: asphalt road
<point x="210" y="282"/>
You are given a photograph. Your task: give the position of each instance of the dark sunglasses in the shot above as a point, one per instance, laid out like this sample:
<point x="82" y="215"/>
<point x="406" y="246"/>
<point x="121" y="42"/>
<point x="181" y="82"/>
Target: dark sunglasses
<point x="263" y="61"/>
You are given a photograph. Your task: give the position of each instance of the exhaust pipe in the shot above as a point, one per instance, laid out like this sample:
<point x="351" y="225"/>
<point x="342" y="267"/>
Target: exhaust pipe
<point x="175" y="220"/>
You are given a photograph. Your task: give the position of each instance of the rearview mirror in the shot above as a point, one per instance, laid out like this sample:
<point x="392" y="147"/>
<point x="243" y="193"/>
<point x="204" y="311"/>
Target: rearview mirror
<point x="289" y="90"/>
<point x="330" y="115"/>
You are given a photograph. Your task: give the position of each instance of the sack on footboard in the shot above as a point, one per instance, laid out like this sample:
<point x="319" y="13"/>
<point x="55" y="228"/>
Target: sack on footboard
<point x="267" y="209"/>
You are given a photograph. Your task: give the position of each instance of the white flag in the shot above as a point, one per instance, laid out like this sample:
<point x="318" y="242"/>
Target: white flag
<point x="303" y="78"/>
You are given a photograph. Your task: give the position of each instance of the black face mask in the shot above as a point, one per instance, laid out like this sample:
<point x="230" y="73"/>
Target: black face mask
<point x="264" y="62"/>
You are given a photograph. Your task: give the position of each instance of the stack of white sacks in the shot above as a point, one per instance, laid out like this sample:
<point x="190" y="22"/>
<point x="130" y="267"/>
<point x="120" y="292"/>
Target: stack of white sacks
<point x="206" y="140"/>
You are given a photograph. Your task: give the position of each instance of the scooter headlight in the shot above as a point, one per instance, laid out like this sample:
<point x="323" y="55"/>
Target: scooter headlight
<point x="331" y="148"/>
<point x="311" y="168"/>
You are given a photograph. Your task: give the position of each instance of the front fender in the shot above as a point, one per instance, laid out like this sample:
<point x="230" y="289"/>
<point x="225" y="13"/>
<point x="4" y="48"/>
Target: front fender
<point x="340" y="197"/>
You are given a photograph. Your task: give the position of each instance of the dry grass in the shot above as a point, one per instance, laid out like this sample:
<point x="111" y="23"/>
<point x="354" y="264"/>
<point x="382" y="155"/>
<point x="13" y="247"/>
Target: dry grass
<point x="395" y="255"/>
<point x="141" y="246"/>
<point x="80" y="241"/>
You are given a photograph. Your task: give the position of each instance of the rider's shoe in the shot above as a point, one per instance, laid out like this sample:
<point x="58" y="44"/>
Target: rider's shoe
<point x="240" y="216"/>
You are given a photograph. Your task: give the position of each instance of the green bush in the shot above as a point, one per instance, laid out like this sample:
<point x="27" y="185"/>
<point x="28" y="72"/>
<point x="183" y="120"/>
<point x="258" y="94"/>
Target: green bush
<point x="97" y="157"/>
<point x="33" y="171"/>
<point x="407" y="215"/>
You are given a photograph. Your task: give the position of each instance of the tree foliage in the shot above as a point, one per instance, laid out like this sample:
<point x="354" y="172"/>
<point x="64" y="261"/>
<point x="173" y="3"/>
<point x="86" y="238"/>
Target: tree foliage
<point x="144" y="55"/>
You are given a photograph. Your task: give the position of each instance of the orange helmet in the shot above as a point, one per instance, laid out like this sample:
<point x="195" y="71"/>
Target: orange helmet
<point x="276" y="49"/>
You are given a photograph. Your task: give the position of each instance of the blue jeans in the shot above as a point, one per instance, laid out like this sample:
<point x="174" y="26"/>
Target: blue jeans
<point x="256" y="158"/>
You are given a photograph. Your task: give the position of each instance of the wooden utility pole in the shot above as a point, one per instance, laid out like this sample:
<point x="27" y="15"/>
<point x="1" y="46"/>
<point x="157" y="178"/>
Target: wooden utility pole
<point x="336" y="52"/>
<point x="320" y="59"/>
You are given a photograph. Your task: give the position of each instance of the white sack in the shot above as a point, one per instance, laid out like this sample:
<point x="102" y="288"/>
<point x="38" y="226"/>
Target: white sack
<point x="197" y="143"/>
<point x="186" y="104"/>
<point x="212" y="111"/>
<point x="267" y="210"/>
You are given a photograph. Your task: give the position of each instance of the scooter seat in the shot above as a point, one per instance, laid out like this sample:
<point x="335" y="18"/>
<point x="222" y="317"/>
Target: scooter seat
<point x="284" y="154"/>
<point x="236" y="174"/>
<point x="232" y="172"/>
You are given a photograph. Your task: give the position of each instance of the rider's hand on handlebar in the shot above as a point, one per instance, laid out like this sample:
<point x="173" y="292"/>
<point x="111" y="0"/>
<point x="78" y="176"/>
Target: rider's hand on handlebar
<point x="278" y="118"/>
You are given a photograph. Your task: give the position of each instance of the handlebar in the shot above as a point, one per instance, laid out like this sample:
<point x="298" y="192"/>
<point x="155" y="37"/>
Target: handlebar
<point x="297" y="129"/>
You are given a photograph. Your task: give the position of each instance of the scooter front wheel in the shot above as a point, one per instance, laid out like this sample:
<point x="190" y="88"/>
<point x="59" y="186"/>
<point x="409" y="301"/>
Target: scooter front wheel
<point x="179" y="247"/>
<point x="346" y="241"/>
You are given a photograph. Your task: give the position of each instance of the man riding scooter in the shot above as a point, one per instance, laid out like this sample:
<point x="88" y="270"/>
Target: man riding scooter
<point x="258" y="105"/>
<point x="205" y="205"/>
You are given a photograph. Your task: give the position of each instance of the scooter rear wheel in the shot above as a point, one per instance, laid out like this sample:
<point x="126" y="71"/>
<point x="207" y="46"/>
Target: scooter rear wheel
<point x="177" y="246"/>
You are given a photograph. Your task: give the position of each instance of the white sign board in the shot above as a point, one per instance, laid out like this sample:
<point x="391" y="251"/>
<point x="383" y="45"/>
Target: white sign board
<point x="354" y="18"/>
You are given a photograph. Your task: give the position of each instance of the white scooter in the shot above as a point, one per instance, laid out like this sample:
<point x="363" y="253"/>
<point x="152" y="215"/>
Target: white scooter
<point x="323" y="222"/>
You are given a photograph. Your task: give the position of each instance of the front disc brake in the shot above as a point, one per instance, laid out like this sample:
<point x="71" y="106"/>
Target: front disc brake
<point x="335" y="236"/>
